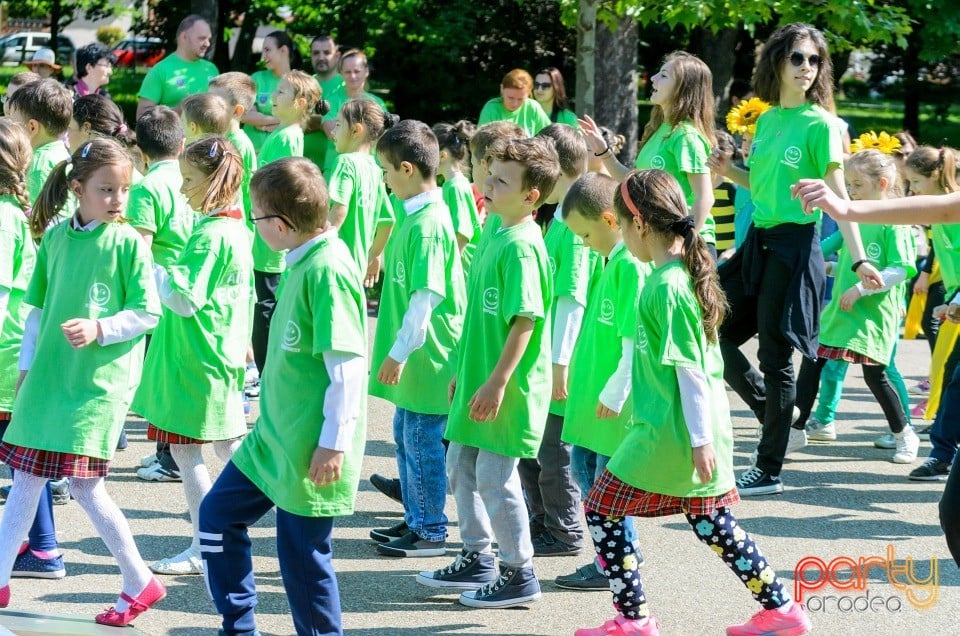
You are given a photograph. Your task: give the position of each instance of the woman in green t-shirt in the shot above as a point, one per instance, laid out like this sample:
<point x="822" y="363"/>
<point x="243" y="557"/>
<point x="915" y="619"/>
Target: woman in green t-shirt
<point x="551" y="93"/>
<point x="682" y="427"/>
<point x="279" y="56"/>
<point x="775" y="282"/>
<point x="678" y="136"/>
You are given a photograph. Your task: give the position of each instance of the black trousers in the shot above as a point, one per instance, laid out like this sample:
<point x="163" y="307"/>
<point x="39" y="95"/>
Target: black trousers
<point x="266" y="287"/>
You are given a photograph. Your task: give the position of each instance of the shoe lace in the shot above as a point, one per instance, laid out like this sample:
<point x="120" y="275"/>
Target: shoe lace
<point x="931" y="462"/>
<point x="753" y="474"/>
<point x="502" y="580"/>
<point x="461" y="562"/>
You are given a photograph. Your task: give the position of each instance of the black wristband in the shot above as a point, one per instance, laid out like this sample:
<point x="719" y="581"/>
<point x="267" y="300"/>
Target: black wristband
<point x="857" y="265"/>
<point x="605" y="151"/>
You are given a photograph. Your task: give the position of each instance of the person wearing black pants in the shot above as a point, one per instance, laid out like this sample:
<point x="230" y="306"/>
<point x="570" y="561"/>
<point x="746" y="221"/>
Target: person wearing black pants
<point x="266" y="285"/>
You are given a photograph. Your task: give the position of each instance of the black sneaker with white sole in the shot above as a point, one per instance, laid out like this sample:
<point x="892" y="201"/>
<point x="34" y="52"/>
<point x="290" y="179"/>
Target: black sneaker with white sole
<point x="389" y="534"/>
<point x="931" y="470"/>
<point x="469" y="571"/>
<point x="756" y="482"/>
<point x="411" y="545"/>
<point x="514" y="586"/>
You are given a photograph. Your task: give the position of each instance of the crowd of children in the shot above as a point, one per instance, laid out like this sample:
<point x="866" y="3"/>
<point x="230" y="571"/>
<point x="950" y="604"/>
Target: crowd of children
<point x="542" y="282"/>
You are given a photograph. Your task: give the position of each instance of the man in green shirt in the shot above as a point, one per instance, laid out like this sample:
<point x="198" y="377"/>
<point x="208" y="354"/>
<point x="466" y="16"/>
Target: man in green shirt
<point x="325" y="57"/>
<point x="184" y="72"/>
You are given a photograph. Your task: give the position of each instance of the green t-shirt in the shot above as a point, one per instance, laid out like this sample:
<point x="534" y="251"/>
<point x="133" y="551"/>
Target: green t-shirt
<point x="946" y="245"/>
<point x="790" y="144"/>
<point x="266" y="83"/>
<point x="198" y="362"/>
<point x="529" y="116"/>
<point x="320" y="307"/>
<point x="242" y="143"/>
<point x="281" y="143"/>
<point x="17" y="258"/>
<point x="357" y="184"/>
<point x="315" y="143"/>
<point x="44" y="160"/>
<point x="92" y="385"/>
<point x="872" y="325"/>
<point x="157" y="205"/>
<point x="568" y="117"/>
<point x="173" y="78"/>
<point x="458" y="195"/>
<point x="337" y="99"/>
<point x="656" y="456"/>
<point x="679" y="150"/>
<point x="574" y="269"/>
<point x="611" y="316"/>
<point x="510" y="276"/>
<point x="421" y="254"/>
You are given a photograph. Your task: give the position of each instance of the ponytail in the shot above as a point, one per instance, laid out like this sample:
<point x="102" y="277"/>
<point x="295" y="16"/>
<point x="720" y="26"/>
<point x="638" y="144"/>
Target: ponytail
<point x="706" y="283"/>
<point x="220" y="162"/>
<point x="52" y="198"/>
<point x="15" y="153"/>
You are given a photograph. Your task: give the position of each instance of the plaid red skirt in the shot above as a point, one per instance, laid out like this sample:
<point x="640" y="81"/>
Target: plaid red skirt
<point x="612" y="497"/>
<point x="51" y="464"/>
<point x="166" y="437"/>
<point x="839" y="353"/>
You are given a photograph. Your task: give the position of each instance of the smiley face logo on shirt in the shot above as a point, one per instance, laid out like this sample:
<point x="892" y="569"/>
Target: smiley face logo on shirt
<point x="291" y="337"/>
<point x="873" y="251"/>
<point x="658" y="162"/>
<point x="606" y="311"/>
<point x="553" y="265"/>
<point x="399" y="273"/>
<point x="99" y="294"/>
<point x="491" y="300"/>
<point x="642" y="343"/>
<point x="792" y="156"/>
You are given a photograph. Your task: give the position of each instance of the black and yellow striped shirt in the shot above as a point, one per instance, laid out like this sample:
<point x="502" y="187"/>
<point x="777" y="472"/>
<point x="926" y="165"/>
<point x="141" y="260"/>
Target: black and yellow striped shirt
<point x="723" y="214"/>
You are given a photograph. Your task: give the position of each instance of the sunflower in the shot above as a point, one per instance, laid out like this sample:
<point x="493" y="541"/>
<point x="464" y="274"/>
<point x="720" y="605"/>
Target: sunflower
<point x="872" y="141"/>
<point x="742" y="118"/>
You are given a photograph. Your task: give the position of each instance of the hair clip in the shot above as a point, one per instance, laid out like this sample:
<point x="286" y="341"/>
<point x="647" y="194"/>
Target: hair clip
<point x="213" y="149"/>
<point x="122" y="129"/>
<point x="86" y="150"/>
<point x="625" y="193"/>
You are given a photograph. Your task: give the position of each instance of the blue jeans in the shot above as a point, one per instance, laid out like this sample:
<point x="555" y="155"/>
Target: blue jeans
<point x="587" y="468"/>
<point x="945" y="434"/>
<point x="43" y="532"/>
<point x="421" y="460"/>
<point x="304" y="549"/>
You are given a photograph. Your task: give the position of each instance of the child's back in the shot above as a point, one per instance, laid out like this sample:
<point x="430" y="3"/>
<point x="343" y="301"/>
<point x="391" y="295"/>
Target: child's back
<point x="357" y="184"/>
<point x="157" y="206"/>
<point x="458" y="195"/>
<point x="285" y="141"/>
<point x="248" y="155"/>
<point x="17" y="259"/>
<point x="44" y="160"/>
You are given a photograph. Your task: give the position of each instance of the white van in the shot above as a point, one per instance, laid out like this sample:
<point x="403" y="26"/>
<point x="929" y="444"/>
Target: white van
<point x="18" y="48"/>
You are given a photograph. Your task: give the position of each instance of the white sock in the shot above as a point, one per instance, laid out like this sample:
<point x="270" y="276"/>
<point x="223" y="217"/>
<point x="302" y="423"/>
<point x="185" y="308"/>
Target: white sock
<point x="196" y="484"/>
<point x="18" y="516"/>
<point x="112" y="526"/>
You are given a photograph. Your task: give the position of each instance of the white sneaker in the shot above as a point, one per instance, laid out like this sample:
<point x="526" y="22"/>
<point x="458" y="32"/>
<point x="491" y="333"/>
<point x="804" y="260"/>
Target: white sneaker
<point x="156" y="472"/>
<point x="817" y="431"/>
<point x="887" y="442"/>
<point x="797" y="440"/>
<point x="907" y="446"/>
<point x="149" y="460"/>
<point x="251" y="375"/>
<point x="187" y="562"/>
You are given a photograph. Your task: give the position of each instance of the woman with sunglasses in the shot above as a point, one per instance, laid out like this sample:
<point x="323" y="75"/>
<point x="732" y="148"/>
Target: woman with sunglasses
<point x="775" y="281"/>
<point x="551" y="93"/>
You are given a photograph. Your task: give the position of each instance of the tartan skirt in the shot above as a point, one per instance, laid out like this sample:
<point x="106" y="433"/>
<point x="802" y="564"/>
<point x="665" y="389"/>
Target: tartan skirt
<point x="166" y="437"/>
<point x="839" y="353"/>
<point x="612" y="497"/>
<point x="52" y="464"/>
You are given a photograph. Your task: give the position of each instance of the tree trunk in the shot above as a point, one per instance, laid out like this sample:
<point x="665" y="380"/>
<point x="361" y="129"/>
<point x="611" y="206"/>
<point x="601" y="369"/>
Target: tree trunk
<point x="616" y="82"/>
<point x="242" y="59"/>
<point x="56" y="14"/>
<point x="911" y="82"/>
<point x="585" y="100"/>
<point x="718" y="50"/>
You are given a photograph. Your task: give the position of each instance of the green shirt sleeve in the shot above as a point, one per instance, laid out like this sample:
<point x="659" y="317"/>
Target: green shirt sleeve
<point x="826" y="146"/>
<point x="142" y="209"/>
<point x="37" y="289"/>
<point x="521" y="289"/>
<point x="488" y="113"/>
<point x="690" y="151"/>
<point x="140" y="290"/>
<point x="628" y="296"/>
<point x="152" y="86"/>
<point x="427" y="255"/>
<point x="572" y="277"/>
<point x="681" y="340"/>
<point x="343" y="182"/>
<point x="336" y="322"/>
<point x="460" y="203"/>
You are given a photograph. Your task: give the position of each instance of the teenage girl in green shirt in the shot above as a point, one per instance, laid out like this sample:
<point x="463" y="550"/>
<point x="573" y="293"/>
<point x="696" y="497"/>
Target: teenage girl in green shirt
<point x="551" y="94"/>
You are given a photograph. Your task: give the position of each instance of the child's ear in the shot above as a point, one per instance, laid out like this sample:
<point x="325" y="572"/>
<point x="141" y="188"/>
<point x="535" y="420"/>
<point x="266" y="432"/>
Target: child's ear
<point x="239" y="110"/>
<point x="884" y="183"/>
<point x="356" y="129"/>
<point x="33" y="128"/>
<point x="610" y="219"/>
<point x="532" y="197"/>
<point x="76" y="188"/>
<point x="407" y="168"/>
<point x="194" y="131"/>
<point x="444" y="155"/>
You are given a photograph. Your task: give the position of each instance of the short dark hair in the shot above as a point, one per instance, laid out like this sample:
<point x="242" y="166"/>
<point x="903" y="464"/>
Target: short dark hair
<point x="540" y="161"/>
<point x="160" y="133"/>
<point x="293" y="189"/>
<point x="187" y="23"/>
<point x="571" y="148"/>
<point x="413" y="141"/>
<point x="488" y="134"/>
<point x="47" y="101"/>
<point x="590" y="195"/>
<point x="91" y="54"/>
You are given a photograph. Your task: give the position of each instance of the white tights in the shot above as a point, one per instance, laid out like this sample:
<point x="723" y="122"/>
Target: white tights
<point x="106" y="517"/>
<point x="196" y="478"/>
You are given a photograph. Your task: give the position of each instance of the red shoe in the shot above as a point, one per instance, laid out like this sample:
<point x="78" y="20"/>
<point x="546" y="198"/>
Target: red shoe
<point x="793" y="622"/>
<point x="4" y="596"/>
<point x="620" y="626"/>
<point x="151" y="595"/>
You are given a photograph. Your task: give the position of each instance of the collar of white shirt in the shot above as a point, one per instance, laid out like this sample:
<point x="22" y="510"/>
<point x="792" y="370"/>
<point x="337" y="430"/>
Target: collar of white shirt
<point x="293" y="256"/>
<point x="416" y="203"/>
<point x="89" y="227"/>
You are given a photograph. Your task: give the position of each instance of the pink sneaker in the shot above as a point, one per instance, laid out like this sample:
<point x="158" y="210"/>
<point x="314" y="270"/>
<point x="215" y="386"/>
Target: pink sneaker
<point x="793" y="622"/>
<point x="621" y="626"/>
<point x="919" y="410"/>
<point x="4" y="596"/>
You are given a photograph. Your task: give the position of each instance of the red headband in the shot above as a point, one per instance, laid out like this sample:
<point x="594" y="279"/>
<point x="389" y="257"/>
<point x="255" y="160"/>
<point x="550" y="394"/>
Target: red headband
<point x="625" y="193"/>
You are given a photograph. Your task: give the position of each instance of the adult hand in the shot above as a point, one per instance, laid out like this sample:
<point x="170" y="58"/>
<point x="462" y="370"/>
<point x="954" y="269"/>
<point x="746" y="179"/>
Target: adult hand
<point x="591" y="133"/>
<point x="815" y="193"/>
<point x="720" y="161"/>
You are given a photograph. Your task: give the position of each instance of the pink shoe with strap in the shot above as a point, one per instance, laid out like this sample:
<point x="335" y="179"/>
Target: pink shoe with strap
<point x="4" y="596"/>
<point x="151" y="595"/>
<point x="793" y="622"/>
<point x="622" y="626"/>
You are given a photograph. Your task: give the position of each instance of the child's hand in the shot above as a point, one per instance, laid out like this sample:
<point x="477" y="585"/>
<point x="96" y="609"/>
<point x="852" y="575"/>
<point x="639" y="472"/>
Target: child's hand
<point x="374" y="265"/>
<point x="560" y="373"/>
<point x="849" y="297"/>
<point x="325" y="466"/>
<point x="451" y="390"/>
<point x="719" y="162"/>
<point x="815" y="193"/>
<point x="922" y="284"/>
<point x="705" y="462"/>
<point x="485" y="403"/>
<point x="604" y="412"/>
<point x="939" y="313"/>
<point x="390" y="371"/>
<point x="953" y="313"/>
<point x="80" y="332"/>
<point x="870" y="276"/>
<point x="591" y="133"/>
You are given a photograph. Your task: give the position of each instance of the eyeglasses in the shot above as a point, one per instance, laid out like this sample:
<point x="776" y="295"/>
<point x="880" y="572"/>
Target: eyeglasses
<point x="254" y="219"/>
<point x="542" y="85"/>
<point x="797" y="59"/>
<point x="104" y="64"/>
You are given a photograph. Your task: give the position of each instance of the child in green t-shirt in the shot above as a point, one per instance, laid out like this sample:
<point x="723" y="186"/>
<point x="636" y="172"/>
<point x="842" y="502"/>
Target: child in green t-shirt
<point x="598" y="412"/>
<point x="682" y="426"/>
<point x="500" y="395"/>
<point x="85" y="332"/>
<point x="44" y="108"/>
<point x="358" y="199"/>
<point x="304" y="453"/>
<point x="486" y="138"/>
<point x="421" y="320"/>
<point x="205" y="114"/>
<point x="208" y="311"/>
<point x="239" y="91"/>
<point x="454" y="140"/>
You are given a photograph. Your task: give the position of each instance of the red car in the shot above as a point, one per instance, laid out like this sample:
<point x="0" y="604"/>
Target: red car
<point x="138" y="51"/>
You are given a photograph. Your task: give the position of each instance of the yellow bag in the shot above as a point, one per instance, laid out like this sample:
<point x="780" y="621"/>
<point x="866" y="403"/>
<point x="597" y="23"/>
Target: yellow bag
<point x="913" y="326"/>
<point x="946" y="340"/>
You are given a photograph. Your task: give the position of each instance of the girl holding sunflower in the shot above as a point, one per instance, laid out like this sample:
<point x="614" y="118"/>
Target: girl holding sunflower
<point x="778" y="294"/>
<point x="678" y="137"/>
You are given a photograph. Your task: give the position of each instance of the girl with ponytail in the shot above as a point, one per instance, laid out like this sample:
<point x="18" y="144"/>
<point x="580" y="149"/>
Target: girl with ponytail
<point x="683" y="427"/>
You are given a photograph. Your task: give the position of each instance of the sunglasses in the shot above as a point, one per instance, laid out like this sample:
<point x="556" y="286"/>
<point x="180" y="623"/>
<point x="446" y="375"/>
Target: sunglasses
<point x="542" y="85"/>
<point x="797" y="59"/>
